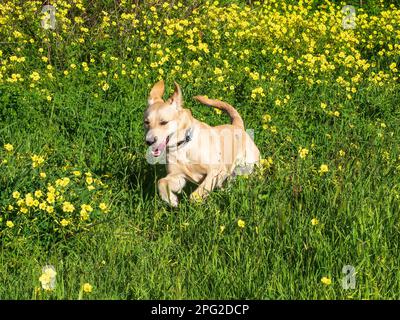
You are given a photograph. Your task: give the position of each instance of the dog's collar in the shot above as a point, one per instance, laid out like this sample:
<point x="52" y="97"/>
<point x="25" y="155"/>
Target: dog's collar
<point x="187" y="139"/>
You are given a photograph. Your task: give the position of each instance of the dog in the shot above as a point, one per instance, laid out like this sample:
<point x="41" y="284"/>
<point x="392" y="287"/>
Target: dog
<point x="195" y="151"/>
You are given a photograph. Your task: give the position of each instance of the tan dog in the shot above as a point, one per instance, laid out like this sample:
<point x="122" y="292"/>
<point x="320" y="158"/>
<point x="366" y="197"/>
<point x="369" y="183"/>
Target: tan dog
<point x="194" y="150"/>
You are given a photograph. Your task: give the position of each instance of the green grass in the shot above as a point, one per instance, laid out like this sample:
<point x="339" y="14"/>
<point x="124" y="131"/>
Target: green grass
<point x="145" y="250"/>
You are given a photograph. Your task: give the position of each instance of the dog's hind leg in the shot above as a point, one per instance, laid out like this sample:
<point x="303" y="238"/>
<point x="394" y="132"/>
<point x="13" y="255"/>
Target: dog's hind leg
<point x="168" y="186"/>
<point x="212" y="180"/>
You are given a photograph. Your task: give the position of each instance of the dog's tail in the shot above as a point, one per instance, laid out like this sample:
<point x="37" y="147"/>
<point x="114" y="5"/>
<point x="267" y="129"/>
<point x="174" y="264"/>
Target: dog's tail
<point x="235" y="116"/>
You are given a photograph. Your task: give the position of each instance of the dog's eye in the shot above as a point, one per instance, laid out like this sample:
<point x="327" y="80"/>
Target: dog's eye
<point x="163" y="123"/>
<point x="146" y="122"/>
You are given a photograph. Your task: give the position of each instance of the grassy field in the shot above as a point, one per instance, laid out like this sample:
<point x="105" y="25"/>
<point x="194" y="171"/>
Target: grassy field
<point x="77" y="193"/>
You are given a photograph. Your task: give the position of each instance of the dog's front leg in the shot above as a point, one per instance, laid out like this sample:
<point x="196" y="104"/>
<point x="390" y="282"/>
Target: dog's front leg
<point x="213" y="179"/>
<point x="168" y="186"/>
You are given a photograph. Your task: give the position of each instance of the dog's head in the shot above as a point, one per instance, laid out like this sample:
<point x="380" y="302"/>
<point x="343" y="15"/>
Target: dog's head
<point x="163" y="119"/>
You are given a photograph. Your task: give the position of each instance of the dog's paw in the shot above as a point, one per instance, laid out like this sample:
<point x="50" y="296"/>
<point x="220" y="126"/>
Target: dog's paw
<point x="171" y="199"/>
<point x="173" y="202"/>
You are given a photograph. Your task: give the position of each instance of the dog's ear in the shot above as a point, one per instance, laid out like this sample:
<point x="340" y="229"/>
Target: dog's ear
<point x="156" y="92"/>
<point x="176" y="98"/>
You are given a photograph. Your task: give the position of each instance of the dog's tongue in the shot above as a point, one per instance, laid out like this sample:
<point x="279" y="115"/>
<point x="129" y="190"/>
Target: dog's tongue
<point x="159" y="149"/>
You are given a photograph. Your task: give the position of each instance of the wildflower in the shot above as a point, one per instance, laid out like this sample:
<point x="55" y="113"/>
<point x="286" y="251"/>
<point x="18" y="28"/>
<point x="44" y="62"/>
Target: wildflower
<point x="103" y="206"/>
<point x="38" y="193"/>
<point x="9" y="224"/>
<point x="16" y="195"/>
<point x="42" y="206"/>
<point x="221" y="229"/>
<point x="84" y="215"/>
<point x="42" y="175"/>
<point x="342" y="153"/>
<point x="87" y="288"/>
<point x="50" y="209"/>
<point x="68" y="207"/>
<point x="323" y="169"/>
<point x="29" y="200"/>
<point x="51" y="197"/>
<point x="37" y="161"/>
<point x="303" y="152"/>
<point x="267" y="117"/>
<point x="63" y="182"/>
<point x="8" y="147"/>
<point x="326" y="281"/>
<point x="64" y="222"/>
<point x="76" y="173"/>
<point x="89" y="180"/>
<point x="87" y="207"/>
<point x="105" y="86"/>
<point x="217" y="111"/>
<point x="314" y="221"/>
<point x="266" y="163"/>
<point x="241" y="223"/>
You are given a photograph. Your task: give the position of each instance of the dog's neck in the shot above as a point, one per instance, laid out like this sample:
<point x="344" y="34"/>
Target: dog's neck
<point x="185" y="132"/>
<point x="186" y="139"/>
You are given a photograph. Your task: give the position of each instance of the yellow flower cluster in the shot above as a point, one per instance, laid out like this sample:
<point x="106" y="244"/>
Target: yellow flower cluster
<point x="51" y="200"/>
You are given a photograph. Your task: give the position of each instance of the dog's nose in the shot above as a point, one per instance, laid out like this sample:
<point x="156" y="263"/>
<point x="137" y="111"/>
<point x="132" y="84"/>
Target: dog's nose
<point x="150" y="142"/>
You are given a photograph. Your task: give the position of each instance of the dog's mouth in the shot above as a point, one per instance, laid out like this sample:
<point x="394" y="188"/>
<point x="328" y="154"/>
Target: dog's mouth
<point x="159" y="149"/>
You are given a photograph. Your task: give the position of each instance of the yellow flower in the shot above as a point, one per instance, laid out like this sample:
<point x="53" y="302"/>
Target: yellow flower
<point x="37" y="160"/>
<point x="267" y="117"/>
<point x="103" y="206"/>
<point x="38" y="193"/>
<point x="23" y="210"/>
<point x="323" y="169"/>
<point x="9" y="147"/>
<point x="89" y="180"/>
<point x="68" y="207"/>
<point x="221" y="229"/>
<point x="87" y="207"/>
<point x="63" y="182"/>
<point x="42" y="175"/>
<point x="217" y="111"/>
<point x="9" y="224"/>
<point x="76" y="173"/>
<point x="87" y="288"/>
<point x="16" y="195"/>
<point x="241" y="223"/>
<point x="42" y="206"/>
<point x="84" y="214"/>
<point x="342" y="153"/>
<point x="64" y="222"/>
<point x="303" y="152"/>
<point x="314" y="221"/>
<point x="50" y="209"/>
<point x="51" y="197"/>
<point x="326" y="281"/>
<point x="29" y="200"/>
<point x="105" y="86"/>
<point x="266" y="163"/>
